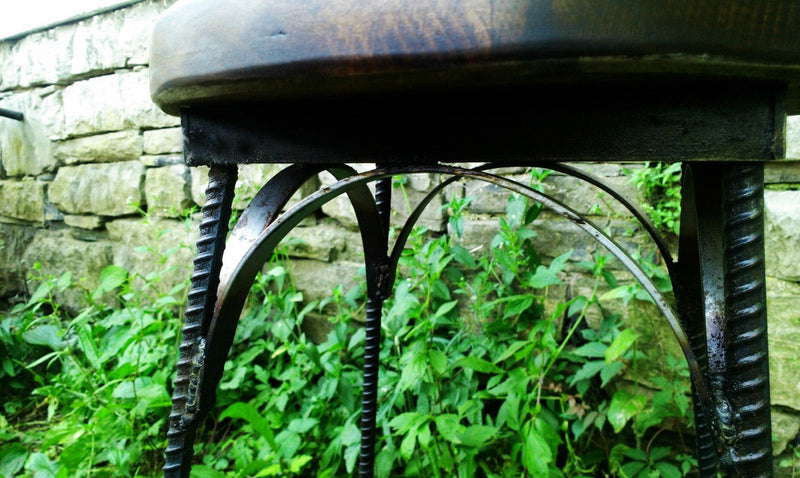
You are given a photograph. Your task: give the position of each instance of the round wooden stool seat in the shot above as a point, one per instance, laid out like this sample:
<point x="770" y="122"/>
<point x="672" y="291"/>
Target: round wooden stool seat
<point x="212" y="51"/>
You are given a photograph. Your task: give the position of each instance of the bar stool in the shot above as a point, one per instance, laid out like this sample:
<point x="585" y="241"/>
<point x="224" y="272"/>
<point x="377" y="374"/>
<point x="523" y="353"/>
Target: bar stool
<point x="415" y="86"/>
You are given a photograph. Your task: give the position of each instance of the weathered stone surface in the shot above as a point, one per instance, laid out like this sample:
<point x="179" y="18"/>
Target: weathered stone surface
<point x="339" y="207"/>
<point x="793" y="137"/>
<point x="433" y="217"/>
<point x="199" y="184"/>
<point x="158" y="250"/>
<point x="784" y="428"/>
<point x="14" y="240"/>
<point x="84" y="222"/>
<point x="112" y="103"/>
<point x="58" y="252"/>
<point x="23" y="200"/>
<point x="25" y="147"/>
<point x="555" y="236"/>
<point x="782" y="228"/>
<point x="163" y="141"/>
<point x="783" y="310"/>
<point x="317" y="280"/>
<point x="324" y="242"/>
<point x="107" y="189"/>
<point x="777" y="172"/>
<point x="489" y="198"/>
<point x="101" y="148"/>
<point x="99" y="44"/>
<point x="157" y="161"/>
<point x="167" y="190"/>
<point x="251" y="178"/>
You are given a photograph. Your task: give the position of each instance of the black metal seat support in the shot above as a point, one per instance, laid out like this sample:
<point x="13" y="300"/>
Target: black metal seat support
<point x="420" y="86"/>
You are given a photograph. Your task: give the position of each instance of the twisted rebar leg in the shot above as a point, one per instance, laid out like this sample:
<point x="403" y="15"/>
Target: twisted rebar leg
<point x="372" y="342"/>
<point x="184" y="419"/>
<point x="747" y="379"/>
<point x="723" y="295"/>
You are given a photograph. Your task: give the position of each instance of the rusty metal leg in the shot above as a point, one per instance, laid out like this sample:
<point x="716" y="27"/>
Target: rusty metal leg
<point x="213" y="229"/>
<point x="728" y="208"/>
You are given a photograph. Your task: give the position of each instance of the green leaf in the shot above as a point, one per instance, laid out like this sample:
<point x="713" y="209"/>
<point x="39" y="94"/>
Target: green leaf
<point x="517" y="304"/>
<point x="299" y="462"/>
<point x="88" y="346"/>
<point x="589" y="370"/>
<point x="630" y="469"/>
<point x="41" y="466"/>
<point x="64" y="281"/>
<point x="444" y="309"/>
<point x="543" y="277"/>
<point x="12" y="459"/>
<point x="438" y="361"/>
<point x="414" y="365"/>
<point x="252" y="416"/>
<point x="659" y="452"/>
<point x="623" y="407"/>
<point x="302" y="425"/>
<point x="43" y="335"/>
<point x="558" y="264"/>
<point x="406" y="421"/>
<point x="463" y="256"/>
<point x="477" y="364"/>
<point x="609" y="371"/>
<point x="592" y="349"/>
<point x="621" y="344"/>
<point x="668" y="470"/>
<point x="536" y="453"/>
<point x="476" y="435"/>
<point x="448" y="424"/>
<point x="112" y="277"/>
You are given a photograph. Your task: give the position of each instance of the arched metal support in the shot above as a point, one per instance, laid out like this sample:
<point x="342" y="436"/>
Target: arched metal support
<point x="242" y="265"/>
<point x="263" y="246"/>
<point x="262" y="230"/>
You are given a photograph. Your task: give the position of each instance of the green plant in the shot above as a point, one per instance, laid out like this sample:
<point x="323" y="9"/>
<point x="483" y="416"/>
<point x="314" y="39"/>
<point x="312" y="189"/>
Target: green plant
<point x="486" y="371"/>
<point x="660" y="184"/>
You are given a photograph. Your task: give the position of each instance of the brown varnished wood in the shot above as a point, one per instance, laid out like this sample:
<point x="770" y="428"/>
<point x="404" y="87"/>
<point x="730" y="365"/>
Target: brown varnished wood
<point x="213" y="51"/>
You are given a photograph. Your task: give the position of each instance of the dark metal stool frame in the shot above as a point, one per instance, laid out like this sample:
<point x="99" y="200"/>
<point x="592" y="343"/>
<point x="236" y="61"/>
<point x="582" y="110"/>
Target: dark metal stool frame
<point x="719" y="279"/>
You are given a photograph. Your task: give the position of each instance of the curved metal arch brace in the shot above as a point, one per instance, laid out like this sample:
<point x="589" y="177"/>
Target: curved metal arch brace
<point x="243" y="258"/>
<point x="280" y="227"/>
<point x="563" y="168"/>
<point x="630" y="206"/>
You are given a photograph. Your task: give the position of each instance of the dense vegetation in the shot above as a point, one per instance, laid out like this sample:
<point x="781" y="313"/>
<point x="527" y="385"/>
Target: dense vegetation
<point x="485" y="373"/>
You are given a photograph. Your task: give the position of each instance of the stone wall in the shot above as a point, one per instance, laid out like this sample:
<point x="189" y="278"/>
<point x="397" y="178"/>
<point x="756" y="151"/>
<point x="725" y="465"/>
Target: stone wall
<point x="94" y="153"/>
